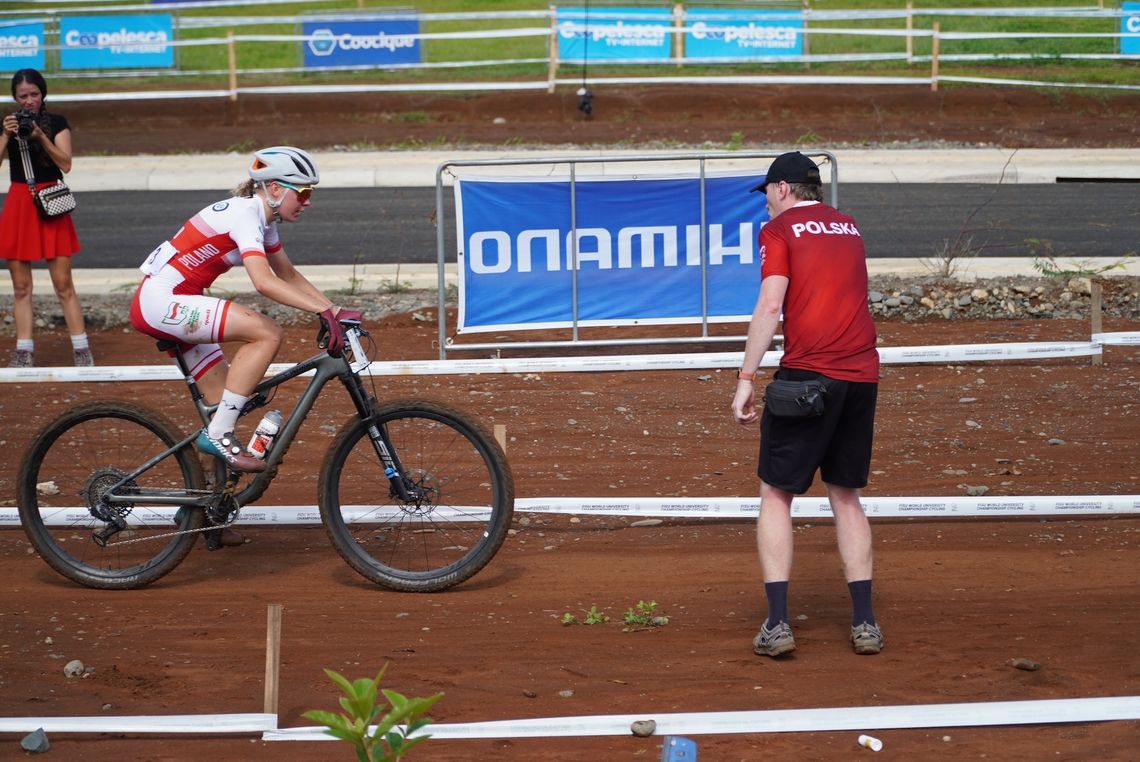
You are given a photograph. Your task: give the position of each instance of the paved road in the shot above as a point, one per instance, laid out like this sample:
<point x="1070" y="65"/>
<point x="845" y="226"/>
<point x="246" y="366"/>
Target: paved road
<point x="396" y="225"/>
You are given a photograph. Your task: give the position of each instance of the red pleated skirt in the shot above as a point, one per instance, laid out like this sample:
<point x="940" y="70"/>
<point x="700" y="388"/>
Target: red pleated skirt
<point x="24" y="235"/>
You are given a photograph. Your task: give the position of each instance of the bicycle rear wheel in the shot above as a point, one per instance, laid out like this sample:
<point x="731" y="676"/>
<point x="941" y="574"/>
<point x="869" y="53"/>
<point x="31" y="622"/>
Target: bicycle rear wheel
<point x="72" y="463"/>
<point x="450" y="531"/>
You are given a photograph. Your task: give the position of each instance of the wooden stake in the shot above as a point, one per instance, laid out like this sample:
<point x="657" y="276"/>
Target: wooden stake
<point x="552" y="53"/>
<point x="272" y="657"/>
<point x="806" y="36"/>
<point x="1097" y="293"/>
<point x="909" y="30"/>
<point x="231" y="51"/>
<point x="501" y="436"/>
<point x="934" y="57"/>
<point x="678" y="37"/>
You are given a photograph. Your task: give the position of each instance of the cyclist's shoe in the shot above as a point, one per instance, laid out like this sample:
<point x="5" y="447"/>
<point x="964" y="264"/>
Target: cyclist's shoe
<point x="84" y="358"/>
<point x="227" y="448"/>
<point x="867" y="638"/>
<point x="774" y="642"/>
<point x="22" y="358"/>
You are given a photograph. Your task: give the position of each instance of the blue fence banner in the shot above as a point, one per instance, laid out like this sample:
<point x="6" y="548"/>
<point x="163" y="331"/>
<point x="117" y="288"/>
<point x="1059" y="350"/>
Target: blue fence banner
<point x="614" y="34"/>
<point x="116" y="42"/>
<point x="639" y="244"/>
<point x="1130" y="24"/>
<point x="738" y="34"/>
<point x="374" y="40"/>
<point x="21" y="45"/>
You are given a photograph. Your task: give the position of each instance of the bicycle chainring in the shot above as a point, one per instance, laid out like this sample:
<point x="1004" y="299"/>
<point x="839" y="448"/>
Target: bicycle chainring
<point x="97" y="485"/>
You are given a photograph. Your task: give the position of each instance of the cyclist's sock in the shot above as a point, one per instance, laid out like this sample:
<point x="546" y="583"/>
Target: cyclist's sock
<point x="79" y="341"/>
<point x="25" y="345"/>
<point x="225" y="417"/>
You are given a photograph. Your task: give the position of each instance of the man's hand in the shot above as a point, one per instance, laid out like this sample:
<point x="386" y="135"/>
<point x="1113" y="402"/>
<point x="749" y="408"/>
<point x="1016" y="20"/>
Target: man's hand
<point x="743" y="407"/>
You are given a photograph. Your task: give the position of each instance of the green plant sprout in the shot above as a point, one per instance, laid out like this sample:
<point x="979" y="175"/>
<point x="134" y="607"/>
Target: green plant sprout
<point x="644" y="616"/>
<point x="593" y="616"/>
<point x="389" y="741"/>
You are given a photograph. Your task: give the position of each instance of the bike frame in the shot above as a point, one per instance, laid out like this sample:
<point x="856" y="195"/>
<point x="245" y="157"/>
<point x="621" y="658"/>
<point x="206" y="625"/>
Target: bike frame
<point x="324" y="368"/>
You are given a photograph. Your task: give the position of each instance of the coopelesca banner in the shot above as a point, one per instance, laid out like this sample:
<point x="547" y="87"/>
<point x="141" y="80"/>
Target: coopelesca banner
<point x="641" y="253"/>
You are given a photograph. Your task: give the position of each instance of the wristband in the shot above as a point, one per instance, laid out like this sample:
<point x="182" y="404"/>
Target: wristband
<point x="742" y="376"/>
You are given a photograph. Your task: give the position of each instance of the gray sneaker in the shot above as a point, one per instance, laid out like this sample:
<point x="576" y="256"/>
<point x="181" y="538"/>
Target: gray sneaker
<point x="867" y="638"/>
<point x="22" y="358"/>
<point x="774" y="642"/>
<point x="84" y="358"/>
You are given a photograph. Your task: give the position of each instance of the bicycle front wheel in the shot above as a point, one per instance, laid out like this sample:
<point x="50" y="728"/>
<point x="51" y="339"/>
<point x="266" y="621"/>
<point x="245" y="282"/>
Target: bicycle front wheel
<point x="458" y="517"/>
<point x="69" y="467"/>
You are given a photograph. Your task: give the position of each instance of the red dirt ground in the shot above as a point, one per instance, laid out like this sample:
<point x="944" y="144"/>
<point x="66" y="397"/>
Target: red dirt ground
<point x="957" y="599"/>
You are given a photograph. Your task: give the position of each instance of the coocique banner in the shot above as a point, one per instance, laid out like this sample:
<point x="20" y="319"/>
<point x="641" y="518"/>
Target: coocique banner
<point x="21" y="45"/>
<point x="373" y="40"/>
<point x="638" y="241"/>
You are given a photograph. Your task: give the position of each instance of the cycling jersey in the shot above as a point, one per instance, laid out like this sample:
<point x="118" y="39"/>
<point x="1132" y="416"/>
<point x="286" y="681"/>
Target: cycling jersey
<point x="169" y="304"/>
<point x="212" y="241"/>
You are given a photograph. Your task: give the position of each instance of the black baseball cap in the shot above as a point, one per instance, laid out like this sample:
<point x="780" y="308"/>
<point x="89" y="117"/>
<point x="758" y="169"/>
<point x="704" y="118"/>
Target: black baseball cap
<point x="791" y="167"/>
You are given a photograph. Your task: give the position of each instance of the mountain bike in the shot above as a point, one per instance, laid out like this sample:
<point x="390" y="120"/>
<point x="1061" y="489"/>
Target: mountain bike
<point x="413" y="494"/>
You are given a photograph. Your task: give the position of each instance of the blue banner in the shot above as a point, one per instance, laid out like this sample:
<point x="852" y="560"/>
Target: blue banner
<point x="21" y="45"/>
<point x="614" y="34"/>
<point x="361" y="41"/>
<point x="116" y="42"/>
<point x="638" y="251"/>
<point x="737" y="34"/>
<point x="1130" y="24"/>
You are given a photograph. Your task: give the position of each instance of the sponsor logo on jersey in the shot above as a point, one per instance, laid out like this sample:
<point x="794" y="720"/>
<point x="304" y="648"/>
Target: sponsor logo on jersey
<point x="221" y="206"/>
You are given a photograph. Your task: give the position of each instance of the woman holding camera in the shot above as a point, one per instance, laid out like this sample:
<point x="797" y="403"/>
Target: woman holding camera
<point x="25" y="237"/>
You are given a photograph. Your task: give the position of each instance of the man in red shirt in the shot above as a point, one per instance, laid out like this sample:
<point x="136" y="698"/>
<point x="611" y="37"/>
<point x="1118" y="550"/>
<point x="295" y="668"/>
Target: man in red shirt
<point x="813" y="271"/>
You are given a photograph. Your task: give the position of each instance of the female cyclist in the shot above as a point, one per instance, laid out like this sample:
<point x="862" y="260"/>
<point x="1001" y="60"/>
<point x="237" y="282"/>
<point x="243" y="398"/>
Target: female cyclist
<point x="170" y="303"/>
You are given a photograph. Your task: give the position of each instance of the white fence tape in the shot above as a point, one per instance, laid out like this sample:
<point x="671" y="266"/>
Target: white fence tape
<point x="671" y="507"/>
<point x="980" y="714"/>
<point x="681" y="361"/>
<point x="198" y="724"/>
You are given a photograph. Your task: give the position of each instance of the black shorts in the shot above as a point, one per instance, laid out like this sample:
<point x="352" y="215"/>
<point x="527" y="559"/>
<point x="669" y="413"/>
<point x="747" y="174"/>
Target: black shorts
<point x="837" y="443"/>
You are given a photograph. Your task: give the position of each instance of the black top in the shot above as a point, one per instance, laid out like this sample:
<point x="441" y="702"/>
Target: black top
<point x="43" y="167"/>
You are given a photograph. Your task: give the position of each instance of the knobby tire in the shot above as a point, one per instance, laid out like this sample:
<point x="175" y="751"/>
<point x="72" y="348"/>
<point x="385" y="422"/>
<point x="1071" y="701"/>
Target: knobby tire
<point x="442" y="539"/>
<point x="72" y="460"/>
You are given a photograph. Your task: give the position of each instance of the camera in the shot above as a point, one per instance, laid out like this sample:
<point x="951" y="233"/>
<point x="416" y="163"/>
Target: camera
<point x="25" y="122"/>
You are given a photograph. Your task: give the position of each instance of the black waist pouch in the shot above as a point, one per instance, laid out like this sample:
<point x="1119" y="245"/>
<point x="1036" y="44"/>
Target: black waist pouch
<point x="795" y="399"/>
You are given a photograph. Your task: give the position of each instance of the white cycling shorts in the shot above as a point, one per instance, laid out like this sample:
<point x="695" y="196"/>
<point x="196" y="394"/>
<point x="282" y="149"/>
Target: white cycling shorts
<point x="195" y="321"/>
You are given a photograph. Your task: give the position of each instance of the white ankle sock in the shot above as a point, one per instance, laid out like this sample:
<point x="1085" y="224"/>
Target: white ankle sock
<point x="79" y="341"/>
<point x="225" y="417"/>
<point x="25" y="345"/>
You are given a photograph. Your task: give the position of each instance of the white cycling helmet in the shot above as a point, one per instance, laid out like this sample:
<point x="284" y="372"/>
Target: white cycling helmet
<point x="284" y="163"/>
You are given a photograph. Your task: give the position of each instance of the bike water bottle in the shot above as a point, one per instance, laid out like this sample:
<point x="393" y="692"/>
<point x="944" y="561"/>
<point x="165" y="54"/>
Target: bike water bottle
<point x="262" y="438"/>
